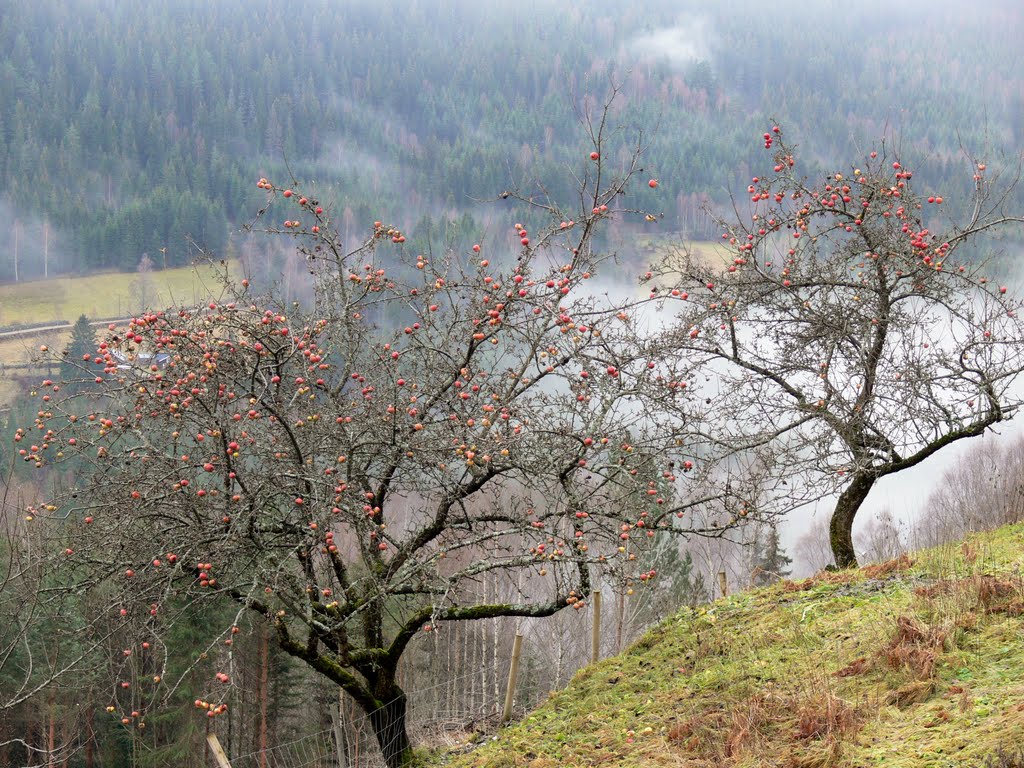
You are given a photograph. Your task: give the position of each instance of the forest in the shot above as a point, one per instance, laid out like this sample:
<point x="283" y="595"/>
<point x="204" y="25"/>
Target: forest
<point x="119" y="138"/>
<point x="517" y="304"/>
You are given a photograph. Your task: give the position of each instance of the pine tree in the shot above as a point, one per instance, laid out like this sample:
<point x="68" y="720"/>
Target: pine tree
<point x="681" y="584"/>
<point x="73" y="373"/>
<point x="770" y="559"/>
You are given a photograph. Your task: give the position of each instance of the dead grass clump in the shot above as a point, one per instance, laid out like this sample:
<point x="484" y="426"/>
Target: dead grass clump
<point x="821" y="577"/>
<point x="941" y="717"/>
<point x="816" y="759"/>
<point x="911" y="631"/>
<point x="747" y="726"/>
<point x="855" y="667"/>
<point x="962" y="695"/>
<point x="825" y="716"/>
<point x="915" y="647"/>
<point x="998" y="595"/>
<point x="1015" y="608"/>
<point x="754" y="725"/>
<point x="880" y="570"/>
<point x="940" y="588"/>
<point x="967" y="620"/>
<point x="824" y="725"/>
<point x="969" y="552"/>
<point x="992" y="594"/>
<point x="699" y="734"/>
<point x="911" y="693"/>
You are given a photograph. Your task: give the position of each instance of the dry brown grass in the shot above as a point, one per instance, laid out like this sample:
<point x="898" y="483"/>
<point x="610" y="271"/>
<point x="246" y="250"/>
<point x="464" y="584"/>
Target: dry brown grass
<point x="699" y="734"/>
<point x="915" y="647"/>
<point x="820" y="578"/>
<point x="824" y="715"/>
<point x="747" y="726"/>
<point x="880" y="570"/>
<point x="990" y="594"/>
<point x="911" y="693"/>
<point x="925" y="678"/>
<point x="856" y="667"/>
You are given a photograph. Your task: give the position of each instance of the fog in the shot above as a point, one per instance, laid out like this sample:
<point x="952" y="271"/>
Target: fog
<point x="681" y="45"/>
<point x="33" y="247"/>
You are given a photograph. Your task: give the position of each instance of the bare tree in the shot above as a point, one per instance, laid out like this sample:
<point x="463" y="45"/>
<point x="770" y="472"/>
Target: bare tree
<point x="47" y="634"/>
<point x="351" y="472"/>
<point x="850" y="332"/>
<point x="882" y="537"/>
<point x="142" y="292"/>
<point x="812" y="549"/>
<point x="981" y="491"/>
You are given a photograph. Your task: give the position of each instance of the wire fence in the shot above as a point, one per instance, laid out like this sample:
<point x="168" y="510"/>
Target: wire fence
<point x="318" y="749"/>
<point x="351" y="743"/>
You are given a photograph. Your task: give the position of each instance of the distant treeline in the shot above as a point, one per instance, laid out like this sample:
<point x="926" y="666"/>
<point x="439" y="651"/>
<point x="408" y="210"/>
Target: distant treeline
<point x="130" y="129"/>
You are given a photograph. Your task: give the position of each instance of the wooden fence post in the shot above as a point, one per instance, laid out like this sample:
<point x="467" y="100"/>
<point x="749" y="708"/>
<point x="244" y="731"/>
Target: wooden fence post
<point x="513" y="672"/>
<point x="723" y="585"/>
<point x="218" y="751"/>
<point x="595" y="640"/>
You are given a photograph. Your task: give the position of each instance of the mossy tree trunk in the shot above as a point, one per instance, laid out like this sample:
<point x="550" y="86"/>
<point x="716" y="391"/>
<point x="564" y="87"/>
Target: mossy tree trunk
<point x="389" y="726"/>
<point x="841" y="525"/>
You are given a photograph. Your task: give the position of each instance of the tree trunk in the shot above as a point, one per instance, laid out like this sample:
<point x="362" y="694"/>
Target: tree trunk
<point x="90" y="738"/>
<point x="620" y="621"/>
<point x="388" y="723"/>
<point x="841" y="525"/>
<point x="340" y="735"/>
<point x="51" y="735"/>
<point x="264" y="680"/>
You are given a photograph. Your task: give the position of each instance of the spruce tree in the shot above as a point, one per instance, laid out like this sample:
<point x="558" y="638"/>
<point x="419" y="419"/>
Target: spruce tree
<point x="770" y="559"/>
<point x="73" y="371"/>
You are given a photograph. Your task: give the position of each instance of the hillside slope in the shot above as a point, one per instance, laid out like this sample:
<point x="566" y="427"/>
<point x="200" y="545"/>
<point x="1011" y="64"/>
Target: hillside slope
<point x="917" y="662"/>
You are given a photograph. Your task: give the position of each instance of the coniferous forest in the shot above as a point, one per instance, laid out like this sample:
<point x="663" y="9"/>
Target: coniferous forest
<point x="130" y="130"/>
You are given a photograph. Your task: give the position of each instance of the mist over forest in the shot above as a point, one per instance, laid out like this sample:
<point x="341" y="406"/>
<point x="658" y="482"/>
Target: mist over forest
<point x="130" y="130"/>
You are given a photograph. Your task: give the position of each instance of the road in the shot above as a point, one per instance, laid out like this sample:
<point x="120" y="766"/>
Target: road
<point x="62" y="327"/>
<point x="35" y="331"/>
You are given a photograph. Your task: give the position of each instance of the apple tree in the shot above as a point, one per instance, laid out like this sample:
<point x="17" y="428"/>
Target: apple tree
<point x="344" y="469"/>
<point x="848" y="328"/>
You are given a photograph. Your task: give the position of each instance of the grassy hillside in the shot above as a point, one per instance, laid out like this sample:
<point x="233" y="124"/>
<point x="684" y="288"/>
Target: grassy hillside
<point x="916" y="663"/>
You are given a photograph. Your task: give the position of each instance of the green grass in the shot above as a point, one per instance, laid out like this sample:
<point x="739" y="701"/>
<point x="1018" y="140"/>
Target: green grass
<point x="919" y="666"/>
<point x="107" y="295"/>
<point x="113" y="294"/>
<point x="657" y="248"/>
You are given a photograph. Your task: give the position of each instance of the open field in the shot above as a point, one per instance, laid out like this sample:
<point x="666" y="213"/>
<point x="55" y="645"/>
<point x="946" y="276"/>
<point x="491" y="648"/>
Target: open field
<point x="113" y="294"/>
<point x="658" y="248"/>
<point x="16" y="352"/>
<point x="118" y="294"/>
